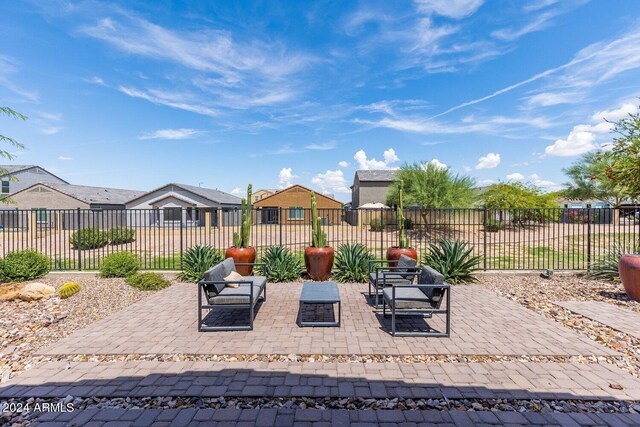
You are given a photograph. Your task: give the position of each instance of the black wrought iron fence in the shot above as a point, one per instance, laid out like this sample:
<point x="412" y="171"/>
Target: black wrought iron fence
<point x="528" y="239"/>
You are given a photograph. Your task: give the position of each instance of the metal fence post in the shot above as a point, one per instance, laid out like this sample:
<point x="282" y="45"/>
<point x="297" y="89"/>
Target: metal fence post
<point x="588" y="239"/>
<point x="280" y="223"/>
<point x="181" y="254"/>
<point x="79" y="217"/>
<point x="484" y="239"/>
<point x="383" y="226"/>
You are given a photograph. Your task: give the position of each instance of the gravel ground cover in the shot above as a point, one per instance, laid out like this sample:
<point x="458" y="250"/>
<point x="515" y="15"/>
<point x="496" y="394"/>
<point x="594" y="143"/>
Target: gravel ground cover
<point x="539" y="294"/>
<point x="26" y="327"/>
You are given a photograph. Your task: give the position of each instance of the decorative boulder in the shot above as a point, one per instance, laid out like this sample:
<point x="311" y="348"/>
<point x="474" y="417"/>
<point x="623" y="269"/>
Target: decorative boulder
<point x="35" y="291"/>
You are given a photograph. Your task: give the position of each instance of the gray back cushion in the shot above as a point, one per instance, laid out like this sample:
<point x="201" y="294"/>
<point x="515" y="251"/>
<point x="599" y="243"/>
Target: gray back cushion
<point x="406" y="264"/>
<point x="217" y="273"/>
<point x="429" y="276"/>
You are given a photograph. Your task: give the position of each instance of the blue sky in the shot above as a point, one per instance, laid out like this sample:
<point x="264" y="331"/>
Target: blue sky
<point x="137" y="94"/>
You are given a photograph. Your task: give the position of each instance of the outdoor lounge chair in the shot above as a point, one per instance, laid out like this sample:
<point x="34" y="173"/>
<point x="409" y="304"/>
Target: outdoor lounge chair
<point x="424" y="298"/>
<point x="381" y="275"/>
<point x="217" y="295"/>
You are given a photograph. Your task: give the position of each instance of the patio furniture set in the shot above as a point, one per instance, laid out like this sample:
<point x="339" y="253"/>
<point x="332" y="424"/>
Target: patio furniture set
<point x="402" y="287"/>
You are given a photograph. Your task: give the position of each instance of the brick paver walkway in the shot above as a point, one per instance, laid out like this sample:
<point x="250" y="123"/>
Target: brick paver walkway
<point x="618" y="318"/>
<point x="324" y="418"/>
<point x="482" y="324"/>
<point x="509" y="380"/>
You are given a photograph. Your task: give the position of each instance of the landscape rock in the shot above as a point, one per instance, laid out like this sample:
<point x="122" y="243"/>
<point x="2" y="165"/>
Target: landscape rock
<point x="36" y="291"/>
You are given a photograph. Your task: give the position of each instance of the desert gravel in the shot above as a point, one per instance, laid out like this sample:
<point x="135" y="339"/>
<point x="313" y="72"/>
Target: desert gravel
<point x="26" y="327"/>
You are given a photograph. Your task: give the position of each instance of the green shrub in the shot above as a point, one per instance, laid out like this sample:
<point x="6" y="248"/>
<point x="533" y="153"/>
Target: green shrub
<point x="148" y="281"/>
<point x="352" y="263"/>
<point x="196" y="261"/>
<point x="492" y="225"/>
<point x="281" y="265"/>
<point x="376" y="225"/>
<point x="68" y="289"/>
<point x="454" y="259"/>
<point x="120" y="235"/>
<point x="120" y="264"/>
<point x="89" y="238"/>
<point x="20" y="266"/>
<point x="605" y="267"/>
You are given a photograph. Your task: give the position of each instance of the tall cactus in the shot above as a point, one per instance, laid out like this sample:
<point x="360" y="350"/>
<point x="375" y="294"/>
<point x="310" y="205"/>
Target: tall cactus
<point x="318" y="237"/>
<point x="403" y="241"/>
<point x="242" y="240"/>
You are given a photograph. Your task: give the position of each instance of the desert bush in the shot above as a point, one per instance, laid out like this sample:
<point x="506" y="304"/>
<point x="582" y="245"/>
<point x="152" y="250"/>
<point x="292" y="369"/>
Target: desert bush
<point x="89" y="238"/>
<point x="148" y="281"/>
<point x="492" y="225"/>
<point x="352" y="263"/>
<point x="605" y="267"/>
<point x="376" y="225"/>
<point x="120" y="235"/>
<point x="120" y="264"/>
<point x="454" y="259"/>
<point x="196" y="261"/>
<point x="68" y="289"/>
<point x="20" y="266"/>
<point x="281" y="265"/>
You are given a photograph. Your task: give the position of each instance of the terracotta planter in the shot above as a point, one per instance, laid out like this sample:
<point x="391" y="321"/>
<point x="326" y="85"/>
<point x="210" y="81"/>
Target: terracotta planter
<point x="629" y="269"/>
<point x="394" y="253"/>
<point x="240" y="255"/>
<point x="318" y="262"/>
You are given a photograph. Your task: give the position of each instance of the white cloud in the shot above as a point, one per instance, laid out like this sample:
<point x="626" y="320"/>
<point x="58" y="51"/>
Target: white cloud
<point x="389" y="157"/>
<point x="343" y="164"/>
<point x="286" y="177"/>
<point x="438" y="164"/>
<point x="547" y="99"/>
<point x="534" y="176"/>
<point x="182" y="133"/>
<point x="169" y="100"/>
<point x="237" y="192"/>
<point x="490" y="161"/>
<point x="486" y="181"/>
<point x="9" y="66"/>
<point x="95" y="80"/>
<point x="455" y="9"/>
<point x="537" y="24"/>
<point x="515" y="176"/>
<point x="578" y="142"/>
<point x="467" y="168"/>
<point x="321" y="147"/>
<point x="64" y="158"/>
<point x="331" y="181"/>
<point x="52" y="130"/>
<point x="615" y="114"/>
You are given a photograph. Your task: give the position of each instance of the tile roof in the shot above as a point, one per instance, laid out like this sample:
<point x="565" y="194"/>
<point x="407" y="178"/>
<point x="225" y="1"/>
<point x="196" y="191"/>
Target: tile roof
<point x="211" y="194"/>
<point x="377" y="175"/>
<point x="15" y="168"/>
<point x="87" y="194"/>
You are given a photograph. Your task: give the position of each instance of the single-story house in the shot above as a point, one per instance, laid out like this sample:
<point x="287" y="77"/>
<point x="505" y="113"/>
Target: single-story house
<point x="292" y="205"/>
<point x="55" y="206"/>
<point x="371" y="186"/>
<point x="175" y="203"/>
<point x="18" y="177"/>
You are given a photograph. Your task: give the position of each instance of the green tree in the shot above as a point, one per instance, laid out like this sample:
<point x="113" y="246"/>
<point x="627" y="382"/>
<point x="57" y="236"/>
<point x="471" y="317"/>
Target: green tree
<point x="624" y="169"/>
<point x="10" y="141"/>
<point x="519" y="199"/>
<point x="429" y="186"/>
<point x="589" y="180"/>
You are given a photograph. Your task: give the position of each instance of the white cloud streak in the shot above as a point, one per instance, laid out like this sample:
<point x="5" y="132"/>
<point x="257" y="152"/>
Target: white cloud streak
<point x="182" y="133"/>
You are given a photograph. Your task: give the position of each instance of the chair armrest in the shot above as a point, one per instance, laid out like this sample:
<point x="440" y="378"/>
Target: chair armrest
<point x="373" y="262"/>
<point x="219" y="282"/>
<point x="424" y="285"/>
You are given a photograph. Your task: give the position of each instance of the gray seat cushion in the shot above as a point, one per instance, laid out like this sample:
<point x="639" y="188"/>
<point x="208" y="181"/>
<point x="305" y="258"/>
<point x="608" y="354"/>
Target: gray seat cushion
<point x="406" y="264"/>
<point x="429" y="276"/>
<point x="241" y="294"/>
<point x="389" y="277"/>
<point x="407" y="298"/>
<point x="217" y="273"/>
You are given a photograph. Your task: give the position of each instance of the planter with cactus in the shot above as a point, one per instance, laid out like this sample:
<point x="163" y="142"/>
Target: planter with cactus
<point x="318" y="258"/>
<point x="404" y="244"/>
<point x="241" y="251"/>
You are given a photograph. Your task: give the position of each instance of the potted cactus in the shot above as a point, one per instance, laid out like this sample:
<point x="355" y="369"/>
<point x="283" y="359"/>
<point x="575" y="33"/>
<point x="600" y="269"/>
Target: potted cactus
<point x="318" y="258"/>
<point x="241" y="251"/>
<point x="404" y="244"/>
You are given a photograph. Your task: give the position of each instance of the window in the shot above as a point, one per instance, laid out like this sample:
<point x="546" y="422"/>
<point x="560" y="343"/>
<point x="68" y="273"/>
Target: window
<point x="41" y="215"/>
<point x="5" y="187"/>
<point x="256" y="198"/>
<point x="173" y="214"/>
<point x="296" y="213"/>
<point x="193" y="214"/>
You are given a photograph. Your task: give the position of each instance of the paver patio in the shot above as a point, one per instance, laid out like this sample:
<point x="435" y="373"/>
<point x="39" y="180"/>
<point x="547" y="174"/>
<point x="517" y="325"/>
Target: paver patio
<point x="615" y="317"/>
<point x="482" y="324"/>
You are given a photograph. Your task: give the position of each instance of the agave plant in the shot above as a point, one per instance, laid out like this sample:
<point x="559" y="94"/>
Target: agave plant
<point x="454" y="259"/>
<point x="606" y="266"/>
<point x="352" y="263"/>
<point x="281" y="265"/>
<point x="196" y="261"/>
